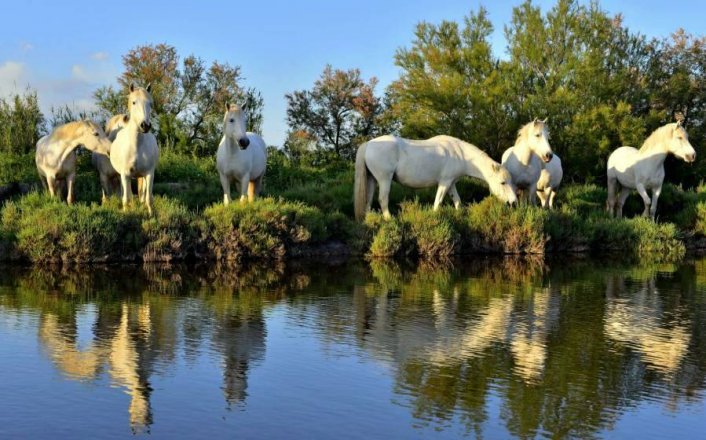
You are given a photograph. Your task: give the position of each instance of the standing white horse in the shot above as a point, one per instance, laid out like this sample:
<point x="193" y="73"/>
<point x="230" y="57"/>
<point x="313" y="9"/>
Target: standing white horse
<point x="643" y="169"/>
<point x="56" y="156"/>
<point x="440" y="161"/>
<point x="110" y="179"/>
<point x="549" y="181"/>
<point x="524" y="159"/>
<point x="241" y="156"/>
<point x="134" y="152"/>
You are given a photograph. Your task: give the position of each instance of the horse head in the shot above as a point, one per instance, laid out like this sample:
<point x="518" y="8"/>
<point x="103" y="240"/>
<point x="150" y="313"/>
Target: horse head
<point x="140" y="106"/>
<point x="537" y="139"/>
<point x="92" y="137"/>
<point x="679" y="144"/>
<point x="234" y="125"/>
<point x="500" y="184"/>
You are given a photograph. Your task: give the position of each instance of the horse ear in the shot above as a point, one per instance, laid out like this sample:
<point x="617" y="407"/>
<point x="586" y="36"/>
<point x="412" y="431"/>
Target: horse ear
<point x="227" y="107"/>
<point x="496" y="167"/>
<point x="132" y="87"/>
<point x="680" y="123"/>
<point x="544" y="121"/>
<point x="149" y="88"/>
<point x="244" y="106"/>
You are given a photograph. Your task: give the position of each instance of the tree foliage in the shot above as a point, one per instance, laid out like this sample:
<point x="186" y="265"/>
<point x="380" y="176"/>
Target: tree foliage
<point x="188" y="96"/>
<point x="338" y="113"/>
<point x="21" y="123"/>
<point x="600" y="84"/>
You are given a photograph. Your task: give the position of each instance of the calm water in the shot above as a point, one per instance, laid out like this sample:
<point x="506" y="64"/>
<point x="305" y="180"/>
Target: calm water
<point x="489" y="348"/>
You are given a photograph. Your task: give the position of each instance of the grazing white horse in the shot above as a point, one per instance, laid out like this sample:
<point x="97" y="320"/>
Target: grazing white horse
<point x="241" y="156"/>
<point x="110" y="179"/>
<point x="134" y="152"/>
<point x="549" y="181"/>
<point x="439" y="161"/>
<point x="643" y="169"/>
<point x="524" y="159"/>
<point x="56" y="156"/>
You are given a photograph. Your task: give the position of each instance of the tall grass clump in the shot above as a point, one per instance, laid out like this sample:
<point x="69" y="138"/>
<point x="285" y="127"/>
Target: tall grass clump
<point x="265" y="229"/>
<point x="494" y="227"/>
<point x="42" y="229"/>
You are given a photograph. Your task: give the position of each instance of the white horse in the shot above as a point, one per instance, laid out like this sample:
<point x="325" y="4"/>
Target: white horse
<point x="440" y="161"/>
<point x="56" y="156"/>
<point x="524" y="159"/>
<point x="241" y="156"/>
<point x="110" y="179"/>
<point x="134" y="152"/>
<point x="549" y="181"/>
<point x="643" y="169"/>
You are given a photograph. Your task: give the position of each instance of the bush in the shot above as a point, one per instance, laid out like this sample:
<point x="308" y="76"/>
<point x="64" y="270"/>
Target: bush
<point x="264" y="229"/>
<point x="44" y="230"/>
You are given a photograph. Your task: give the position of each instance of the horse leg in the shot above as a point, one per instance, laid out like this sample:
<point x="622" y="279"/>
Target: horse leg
<point x="43" y="180"/>
<point x="543" y="199"/>
<point x="51" y="185"/>
<point x="147" y="183"/>
<point x="532" y="194"/>
<point x="645" y="198"/>
<point x="70" y="188"/>
<point x="259" y="183"/>
<point x="655" y="195"/>
<point x="225" y="183"/>
<point x="243" y="184"/>
<point x="610" y="200"/>
<point x="552" y="194"/>
<point x="622" y="197"/>
<point x="384" y="196"/>
<point x="105" y="185"/>
<point x="455" y="197"/>
<point x="127" y="191"/>
<point x="441" y="191"/>
<point x="371" y="192"/>
<point x="251" y="190"/>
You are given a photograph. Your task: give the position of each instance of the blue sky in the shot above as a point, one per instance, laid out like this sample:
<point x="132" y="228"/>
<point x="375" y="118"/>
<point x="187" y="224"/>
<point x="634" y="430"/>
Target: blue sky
<point x="65" y="50"/>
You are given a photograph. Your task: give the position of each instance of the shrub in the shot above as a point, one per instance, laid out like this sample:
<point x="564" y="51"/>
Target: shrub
<point x="266" y="228"/>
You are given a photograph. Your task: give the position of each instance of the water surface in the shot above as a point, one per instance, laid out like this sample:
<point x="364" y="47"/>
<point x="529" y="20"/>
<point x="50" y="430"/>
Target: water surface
<point x="482" y="348"/>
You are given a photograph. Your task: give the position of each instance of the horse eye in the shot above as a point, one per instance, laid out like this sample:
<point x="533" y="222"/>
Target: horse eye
<point x="134" y="102"/>
<point x="502" y="183"/>
<point x="538" y="134"/>
<point x="231" y="120"/>
<point x="95" y="134"/>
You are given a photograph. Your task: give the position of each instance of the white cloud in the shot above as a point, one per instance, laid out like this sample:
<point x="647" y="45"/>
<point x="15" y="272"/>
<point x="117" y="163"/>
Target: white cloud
<point x="99" y="56"/>
<point x="13" y="77"/>
<point x="79" y="72"/>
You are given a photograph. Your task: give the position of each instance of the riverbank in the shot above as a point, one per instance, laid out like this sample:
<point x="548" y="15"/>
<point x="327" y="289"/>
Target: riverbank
<point x="307" y="212"/>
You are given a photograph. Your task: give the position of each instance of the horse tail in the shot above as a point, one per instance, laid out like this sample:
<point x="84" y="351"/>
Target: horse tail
<point x="360" y="187"/>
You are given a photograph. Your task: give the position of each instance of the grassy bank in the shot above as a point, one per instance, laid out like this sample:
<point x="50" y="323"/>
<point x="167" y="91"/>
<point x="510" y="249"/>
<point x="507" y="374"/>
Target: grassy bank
<point x="308" y="211"/>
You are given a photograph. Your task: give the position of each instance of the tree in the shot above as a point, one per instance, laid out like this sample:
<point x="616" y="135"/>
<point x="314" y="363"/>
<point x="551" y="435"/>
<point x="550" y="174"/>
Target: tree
<point x="339" y="112"/>
<point x="450" y="83"/>
<point x="188" y="97"/>
<point x="21" y="123"/>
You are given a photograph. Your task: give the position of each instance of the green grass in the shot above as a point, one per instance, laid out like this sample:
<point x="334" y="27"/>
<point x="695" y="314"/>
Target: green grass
<point x="304" y="207"/>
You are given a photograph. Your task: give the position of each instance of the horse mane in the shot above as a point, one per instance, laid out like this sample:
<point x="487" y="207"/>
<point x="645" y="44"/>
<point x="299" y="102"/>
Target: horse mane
<point x="522" y="133"/>
<point x="654" y="138"/>
<point x="69" y="130"/>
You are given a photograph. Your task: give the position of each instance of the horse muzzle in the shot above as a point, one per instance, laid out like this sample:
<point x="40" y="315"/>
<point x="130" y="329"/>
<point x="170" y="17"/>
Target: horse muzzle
<point x="243" y="142"/>
<point x="690" y="157"/>
<point x="548" y="157"/>
<point x="145" y="126"/>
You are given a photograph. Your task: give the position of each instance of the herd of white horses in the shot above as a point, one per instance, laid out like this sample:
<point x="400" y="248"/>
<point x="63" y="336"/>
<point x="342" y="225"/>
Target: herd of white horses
<point x="529" y="169"/>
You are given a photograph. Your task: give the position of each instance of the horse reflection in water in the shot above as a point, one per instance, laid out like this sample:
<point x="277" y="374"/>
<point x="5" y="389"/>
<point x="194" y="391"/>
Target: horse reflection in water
<point x="632" y="320"/>
<point x="120" y="342"/>
<point x="522" y="325"/>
